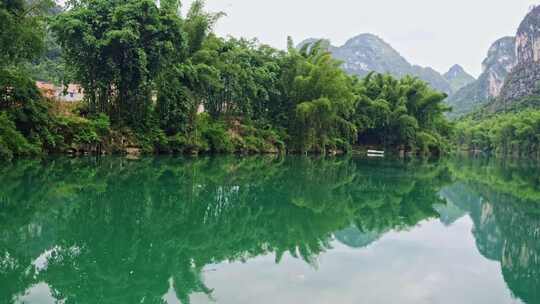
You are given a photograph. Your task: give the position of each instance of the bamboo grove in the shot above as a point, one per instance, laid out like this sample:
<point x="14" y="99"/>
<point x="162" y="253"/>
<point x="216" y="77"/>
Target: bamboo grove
<point x="157" y="73"/>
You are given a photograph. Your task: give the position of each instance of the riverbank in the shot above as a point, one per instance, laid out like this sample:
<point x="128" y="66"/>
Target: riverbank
<point x="67" y="128"/>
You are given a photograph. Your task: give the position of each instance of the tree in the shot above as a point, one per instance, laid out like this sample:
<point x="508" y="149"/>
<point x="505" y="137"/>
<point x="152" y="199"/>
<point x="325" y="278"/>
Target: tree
<point x="320" y="97"/>
<point x="26" y="120"/>
<point x="117" y="49"/>
<point x="186" y="75"/>
<point x="404" y="113"/>
<point x="21" y="30"/>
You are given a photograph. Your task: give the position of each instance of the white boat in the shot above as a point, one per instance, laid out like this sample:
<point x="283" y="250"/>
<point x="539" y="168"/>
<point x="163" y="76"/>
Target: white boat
<point x="375" y="153"/>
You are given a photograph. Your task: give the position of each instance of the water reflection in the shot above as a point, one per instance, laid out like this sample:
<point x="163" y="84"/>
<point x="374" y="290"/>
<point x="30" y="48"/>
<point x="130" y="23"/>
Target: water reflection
<point x="149" y="231"/>
<point x="502" y="198"/>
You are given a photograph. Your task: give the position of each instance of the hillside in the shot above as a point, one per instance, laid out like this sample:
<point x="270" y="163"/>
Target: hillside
<point x="458" y="78"/>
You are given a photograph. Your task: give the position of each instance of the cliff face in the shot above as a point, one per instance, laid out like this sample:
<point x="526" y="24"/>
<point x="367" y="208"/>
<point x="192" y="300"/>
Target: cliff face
<point x="528" y="38"/>
<point x="500" y="61"/>
<point x="366" y="53"/>
<point x="524" y="78"/>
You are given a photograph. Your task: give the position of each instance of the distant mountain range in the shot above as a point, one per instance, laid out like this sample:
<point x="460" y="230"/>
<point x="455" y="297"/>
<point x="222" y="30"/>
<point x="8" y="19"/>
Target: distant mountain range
<point x="510" y="71"/>
<point x="367" y="52"/>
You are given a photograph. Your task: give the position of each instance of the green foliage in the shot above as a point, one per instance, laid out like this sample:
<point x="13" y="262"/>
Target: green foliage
<point x="214" y="133"/>
<point x="81" y="131"/>
<point x="183" y="78"/>
<point x="176" y="104"/>
<point x="320" y="97"/>
<point x="27" y="109"/>
<point x="21" y="30"/>
<point x="16" y="88"/>
<point x="5" y="152"/>
<point x="504" y="133"/>
<point x="150" y="70"/>
<point x="512" y="132"/>
<point x="403" y="113"/>
<point x="50" y="66"/>
<point x="243" y="78"/>
<point x="12" y="142"/>
<point x="250" y="138"/>
<point x="27" y="126"/>
<point x="117" y="49"/>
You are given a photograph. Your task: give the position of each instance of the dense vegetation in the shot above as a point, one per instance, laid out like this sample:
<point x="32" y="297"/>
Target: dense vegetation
<point x="514" y="132"/>
<point x="27" y="125"/>
<point x="147" y="70"/>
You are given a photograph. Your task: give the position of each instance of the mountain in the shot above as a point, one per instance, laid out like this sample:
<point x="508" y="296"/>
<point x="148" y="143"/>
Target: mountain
<point x="434" y="78"/>
<point x="457" y="77"/>
<point x="500" y="60"/>
<point x="367" y="52"/>
<point x="354" y="238"/>
<point x="524" y="79"/>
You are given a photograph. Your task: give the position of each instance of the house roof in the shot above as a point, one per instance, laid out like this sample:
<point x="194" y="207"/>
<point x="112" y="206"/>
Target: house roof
<point x="74" y="88"/>
<point x="45" y="86"/>
<point x="50" y="90"/>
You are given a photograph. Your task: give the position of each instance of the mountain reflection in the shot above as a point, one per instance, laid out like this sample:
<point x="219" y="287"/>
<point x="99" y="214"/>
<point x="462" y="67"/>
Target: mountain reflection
<point x="120" y="231"/>
<point x="503" y="200"/>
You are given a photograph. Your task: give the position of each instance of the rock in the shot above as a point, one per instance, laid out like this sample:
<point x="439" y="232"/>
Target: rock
<point x="524" y="78"/>
<point x="133" y="153"/>
<point x="500" y="61"/>
<point x="522" y="82"/>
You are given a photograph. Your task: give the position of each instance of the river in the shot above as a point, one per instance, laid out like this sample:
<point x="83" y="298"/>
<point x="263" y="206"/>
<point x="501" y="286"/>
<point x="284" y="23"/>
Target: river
<point x="269" y="230"/>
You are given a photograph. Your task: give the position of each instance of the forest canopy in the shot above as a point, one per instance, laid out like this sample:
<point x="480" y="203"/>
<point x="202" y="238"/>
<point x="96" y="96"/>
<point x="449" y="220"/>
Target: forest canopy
<point x="159" y="79"/>
<point x="513" y="133"/>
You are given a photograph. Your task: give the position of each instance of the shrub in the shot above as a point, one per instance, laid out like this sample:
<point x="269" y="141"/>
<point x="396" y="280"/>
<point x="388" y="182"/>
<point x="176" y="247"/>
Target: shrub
<point x="5" y="152"/>
<point x="213" y="135"/>
<point x="81" y="131"/>
<point x="12" y="142"/>
<point x="218" y="138"/>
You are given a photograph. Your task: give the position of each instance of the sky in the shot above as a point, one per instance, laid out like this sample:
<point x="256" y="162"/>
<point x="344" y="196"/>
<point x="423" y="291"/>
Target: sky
<point x="435" y="33"/>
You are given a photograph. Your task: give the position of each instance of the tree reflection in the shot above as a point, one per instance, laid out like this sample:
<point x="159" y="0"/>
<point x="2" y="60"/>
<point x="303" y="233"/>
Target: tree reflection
<point x="120" y="231"/>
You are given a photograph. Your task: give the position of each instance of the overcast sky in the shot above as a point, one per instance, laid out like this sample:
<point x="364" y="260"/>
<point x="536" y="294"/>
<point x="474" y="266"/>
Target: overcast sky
<point x="436" y="33"/>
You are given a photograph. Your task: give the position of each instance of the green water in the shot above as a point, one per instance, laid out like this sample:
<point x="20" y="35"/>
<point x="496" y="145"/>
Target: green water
<point x="269" y="230"/>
